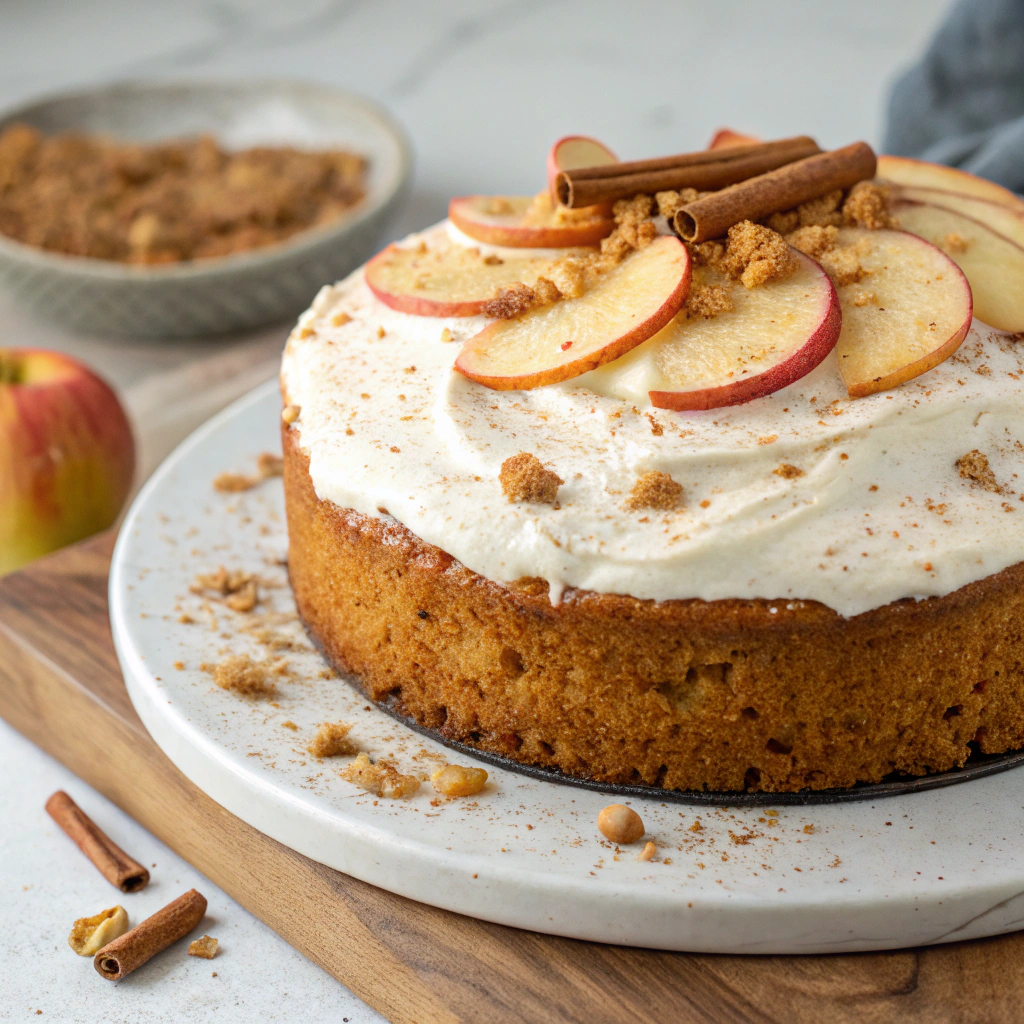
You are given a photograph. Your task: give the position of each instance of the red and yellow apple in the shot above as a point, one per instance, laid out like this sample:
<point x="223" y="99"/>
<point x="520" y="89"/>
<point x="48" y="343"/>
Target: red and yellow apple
<point x="529" y="222"/>
<point x="903" y="170"/>
<point x="573" y="152"/>
<point x="621" y="310"/>
<point x="726" y="137"/>
<point x="66" y="454"/>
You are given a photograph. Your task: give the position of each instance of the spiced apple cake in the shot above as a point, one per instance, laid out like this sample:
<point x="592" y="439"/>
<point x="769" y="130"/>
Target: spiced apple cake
<point x="731" y="513"/>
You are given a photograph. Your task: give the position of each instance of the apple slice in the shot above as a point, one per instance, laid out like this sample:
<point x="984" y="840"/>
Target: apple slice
<point x="773" y="335"/>
<point x="444" y="279"/>
<point x="574" y="151"/>
<point x="1004" y="220"/>
<point x="910" y="313"/>
<point x="554" y="343"/>
<point x="993" y="264"/>
<point x="902" y="170"/>
<point x="529" y="222"/>
<point x="725" y="137"/>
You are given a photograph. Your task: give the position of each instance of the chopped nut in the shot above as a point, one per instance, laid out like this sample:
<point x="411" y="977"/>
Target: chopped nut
<point x="620" y="824"/>
<point x="648" y="852"/>
<point x="290" y="413"/>
<point x="332" y="740"/>
<point x="788" y="472"/>
<point x="974" y="466"/>
<point x="456" y="780"/>
<point x="524" y="478"/>
<point x="206" y="947"/>
<point x="446" y="335"/>
<point x="90" y="934"/>
<point x="382" y="778"/>
<point x="238" y="672"/>
<point x="244" y="599"/>
<point x="340" y="319"/>
<point x="655" y="490"/>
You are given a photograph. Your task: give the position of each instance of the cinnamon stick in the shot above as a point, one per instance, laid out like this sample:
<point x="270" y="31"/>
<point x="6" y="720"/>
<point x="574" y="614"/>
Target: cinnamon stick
<point x="156" y="933"/>
<point x="112" y="862"/>
<point x="707" y="169"/>
<point x="780" y="189"/>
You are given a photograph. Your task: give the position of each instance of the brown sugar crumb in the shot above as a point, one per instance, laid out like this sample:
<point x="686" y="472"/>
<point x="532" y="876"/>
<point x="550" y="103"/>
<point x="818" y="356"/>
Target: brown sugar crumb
<point x="864" y="298"/>
<point x="240" y="674"/>
<point x="655" y="490"/>
<point x="955" y="243"/>
<point x="843" y="265"/>
<point x="165" y="202"/>
<point x="784" y="222"/>
<point x="237" y="588"/>
<point x="332" y="740"/>
<point x="756" y="255"/>
<point x="268" y="465"/>
<point x="512" y="301"/>
<point x="290" y="413"/>
<point x="813" y="240"/>
<point x="233" y="483"/>
<point x="707" y="254"/>
<point x="206" y="947"/>
<point x="524" y="478"/>
<point x="707" y="301"/>
<point x="867" y="206"/>
<point x="648" y="852"/>
<point x="788" y="472"/>
<point x="821" y="212"/>
<point x="974" y="467"/>
<point x="381" y="779"/>
<point x="656" y="428"/>
<point x="634" y="228"/>
<point x="669" y="202"/>
<point x="454" y="780"/>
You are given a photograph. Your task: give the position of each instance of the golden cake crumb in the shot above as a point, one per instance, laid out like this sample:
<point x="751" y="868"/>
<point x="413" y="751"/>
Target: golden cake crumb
<point x="268" y="465"/>
<point x="655" y="490"/>
<point x="290" y="413"/>
<point x="867" y="206"/>
<point x="457" y="780"/>
<point x="707" y="301"/>
<point x="524" y="478"/>
<point x="787" y="471"/>
<point x="382" y="779"/>
<point x="648" y="852"/>
<point x="332" y="740"/>
<point x="620" y="824"/>
<point x="233" y="483"/>
<point x="813" y="240"/>
<point x="756" y="255"/>
<point x="240" y="674"/>
<point x="974" y="467"/>
<point x="237" y="588"/>
<point x="206" y="947"/>
<point x="955" y="243"/>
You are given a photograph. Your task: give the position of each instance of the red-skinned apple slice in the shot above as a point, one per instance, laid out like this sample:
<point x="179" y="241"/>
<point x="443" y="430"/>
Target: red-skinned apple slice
<point x="1004" y="220"/>
<point x="902" y="170"/>
<point x="443" y="279"/>
<point x="575" y="151"/>
<point x="621" y="310"/>
<point x="725" y="137"/>
<point x="910" y="313"/>
<point x="774" y="335"/>
<point x="992" y="263"/>
<point x="529" y="222"/>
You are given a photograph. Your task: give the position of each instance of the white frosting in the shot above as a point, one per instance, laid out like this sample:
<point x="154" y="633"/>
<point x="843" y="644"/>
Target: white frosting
<point x="880" y="512"/>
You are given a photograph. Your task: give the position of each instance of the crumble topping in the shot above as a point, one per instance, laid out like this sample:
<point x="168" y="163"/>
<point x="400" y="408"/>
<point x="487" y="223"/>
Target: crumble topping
<point x="655" y="490"/>
<point x="752" y="254"/>
<point x="670" y="202"/>
<point x="332" y="740"/>
<point x="814" y="240"/>
<point x="206" y="947"/>
<point x="381" y="779"/>
<point x="787" y="471"/>
<point x="524" y="478"/>
<point x="634" y="228"/>
<point x="237" y="589"/>
<point x="867" y="206"/>
<point x="843" y="265"/>
<point x="707" y="301"/>
<point x="248" y="678"/>
<point x="974" y="466"/>
<point x="516" y="299"/>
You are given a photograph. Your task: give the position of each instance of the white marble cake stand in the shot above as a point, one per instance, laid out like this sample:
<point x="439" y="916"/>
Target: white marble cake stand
<point x="923" y="868"/>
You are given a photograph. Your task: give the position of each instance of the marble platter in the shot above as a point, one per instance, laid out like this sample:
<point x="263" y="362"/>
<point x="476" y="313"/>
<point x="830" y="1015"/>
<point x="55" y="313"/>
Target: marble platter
<point x="904" y="870"/>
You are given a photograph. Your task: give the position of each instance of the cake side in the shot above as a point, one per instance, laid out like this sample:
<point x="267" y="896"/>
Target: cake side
<point x="689" y="694"/>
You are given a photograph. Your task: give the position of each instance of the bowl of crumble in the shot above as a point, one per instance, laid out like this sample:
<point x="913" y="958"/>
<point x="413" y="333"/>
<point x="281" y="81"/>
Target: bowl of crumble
<point x="154" y="210"/>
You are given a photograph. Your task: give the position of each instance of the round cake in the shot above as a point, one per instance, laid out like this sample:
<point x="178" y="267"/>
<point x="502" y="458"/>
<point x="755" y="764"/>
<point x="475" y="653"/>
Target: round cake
<point x="791" y="589"/>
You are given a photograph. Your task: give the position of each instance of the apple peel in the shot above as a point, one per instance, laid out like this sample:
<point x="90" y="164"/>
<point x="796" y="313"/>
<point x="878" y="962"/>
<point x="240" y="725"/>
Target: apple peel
<point x="621" y="310"/>
<point x="572" y="152"/>
<point x="529" y="222"/>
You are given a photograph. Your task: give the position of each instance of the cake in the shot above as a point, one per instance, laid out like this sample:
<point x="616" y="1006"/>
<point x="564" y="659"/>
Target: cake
<point x="729" y="514"/>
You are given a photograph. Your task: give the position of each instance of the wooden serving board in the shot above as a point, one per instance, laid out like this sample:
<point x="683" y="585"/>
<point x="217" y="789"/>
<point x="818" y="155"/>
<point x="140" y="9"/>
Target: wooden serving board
<point x="60" y="685"/>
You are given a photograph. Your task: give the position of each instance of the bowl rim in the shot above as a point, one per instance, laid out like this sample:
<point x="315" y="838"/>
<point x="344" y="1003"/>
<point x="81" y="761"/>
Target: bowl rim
<point x="265" y="256"/>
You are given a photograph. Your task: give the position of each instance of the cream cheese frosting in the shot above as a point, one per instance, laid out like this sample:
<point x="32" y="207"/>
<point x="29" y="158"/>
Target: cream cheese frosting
<point x="804" y="494"/>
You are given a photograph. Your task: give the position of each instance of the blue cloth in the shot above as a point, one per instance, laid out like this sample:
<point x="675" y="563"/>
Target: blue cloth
<point x="963" y="104"/>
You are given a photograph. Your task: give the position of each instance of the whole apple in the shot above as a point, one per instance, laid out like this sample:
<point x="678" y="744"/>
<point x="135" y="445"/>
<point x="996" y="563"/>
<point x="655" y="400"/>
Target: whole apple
<point x="66" y="454"/>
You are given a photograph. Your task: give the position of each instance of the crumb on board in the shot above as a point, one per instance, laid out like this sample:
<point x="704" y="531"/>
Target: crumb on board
<point x="267" y="465"/>
<point x="332" y="740"/>
<point x="454" y="780"/>
<point x="206" y="947"/>
<point x="524" y="478"/>
<point x="240" y="674"/>
<point x="90" y="934"/>
<point x="655" y="490"/>
<point x="237" y="589"/>
<point x="974" y="466"/>
<point x="381" y="778"/>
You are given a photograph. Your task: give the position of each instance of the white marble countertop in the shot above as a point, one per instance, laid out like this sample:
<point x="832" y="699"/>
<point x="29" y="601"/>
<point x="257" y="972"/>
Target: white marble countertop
<point x="482" y="87"/>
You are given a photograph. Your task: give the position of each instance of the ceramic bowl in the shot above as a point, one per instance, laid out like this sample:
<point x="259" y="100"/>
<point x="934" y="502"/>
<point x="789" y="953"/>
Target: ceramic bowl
<point x="229" y="293"/>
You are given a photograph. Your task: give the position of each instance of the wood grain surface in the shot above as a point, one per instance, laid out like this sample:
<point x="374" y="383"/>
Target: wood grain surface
<point x="60" y="685"/>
